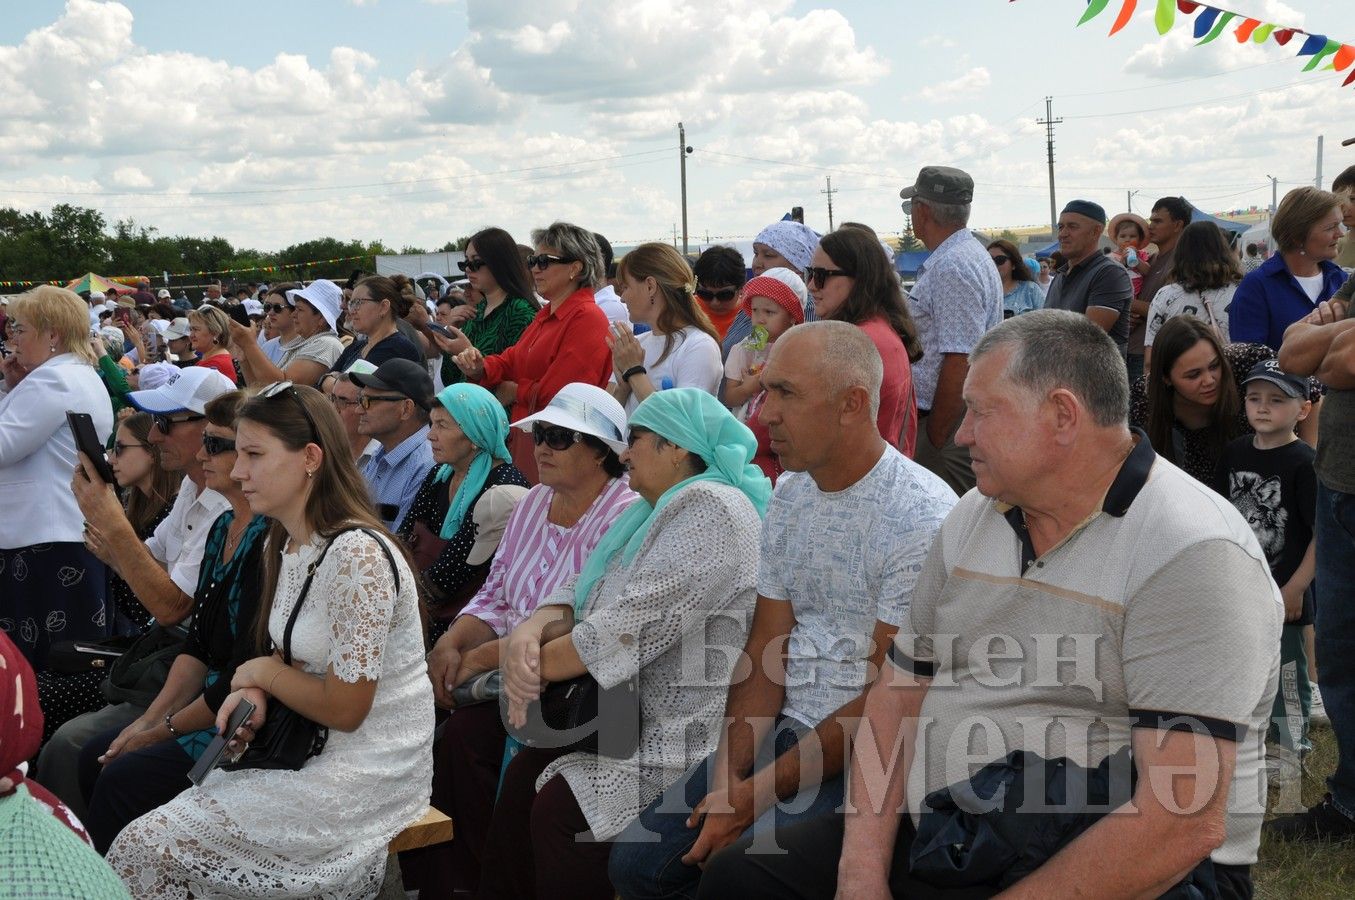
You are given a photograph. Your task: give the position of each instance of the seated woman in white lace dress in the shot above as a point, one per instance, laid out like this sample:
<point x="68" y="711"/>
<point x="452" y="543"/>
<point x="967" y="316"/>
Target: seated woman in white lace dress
<point x="657" y="594"/>
<point x="358" y="670"/>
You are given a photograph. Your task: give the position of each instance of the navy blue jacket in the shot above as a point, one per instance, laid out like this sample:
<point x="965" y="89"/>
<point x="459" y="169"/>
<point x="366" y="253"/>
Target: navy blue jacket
<point x="1270" y="299"/>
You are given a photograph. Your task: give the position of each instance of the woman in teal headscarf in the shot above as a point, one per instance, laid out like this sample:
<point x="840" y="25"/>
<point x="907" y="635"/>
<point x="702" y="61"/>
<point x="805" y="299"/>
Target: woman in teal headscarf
<point x="672" y="581"/>
<point x="454" y="523"/>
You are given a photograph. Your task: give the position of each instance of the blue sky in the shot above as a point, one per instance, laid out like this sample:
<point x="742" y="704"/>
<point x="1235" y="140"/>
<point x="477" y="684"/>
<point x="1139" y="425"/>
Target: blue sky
<point x="415" y="121"/>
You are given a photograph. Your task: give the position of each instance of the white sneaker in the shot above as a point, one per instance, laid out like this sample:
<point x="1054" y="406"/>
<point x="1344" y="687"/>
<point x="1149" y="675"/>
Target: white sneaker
<point x="1317" y="713"/>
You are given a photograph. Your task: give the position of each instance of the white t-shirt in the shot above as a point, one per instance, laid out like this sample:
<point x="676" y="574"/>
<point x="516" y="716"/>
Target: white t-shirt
<point x="693" y="362"/>
<point x="844" y="561"/>
<point x="1311" y="284"/>
<point x="180" y="539"/>
<point x="1172" y="300"/>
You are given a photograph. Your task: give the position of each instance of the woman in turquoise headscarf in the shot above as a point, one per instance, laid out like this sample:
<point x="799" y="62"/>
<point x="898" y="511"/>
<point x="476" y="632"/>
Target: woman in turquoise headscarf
<point x="458" y="515"/>
<point x="672" y="582"/>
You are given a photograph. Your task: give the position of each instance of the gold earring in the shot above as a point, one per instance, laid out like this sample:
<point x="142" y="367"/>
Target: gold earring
<point x="310" y="474"/>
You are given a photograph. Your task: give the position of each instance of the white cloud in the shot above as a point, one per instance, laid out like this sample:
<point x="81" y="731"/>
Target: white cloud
<point x="970" y="82"/>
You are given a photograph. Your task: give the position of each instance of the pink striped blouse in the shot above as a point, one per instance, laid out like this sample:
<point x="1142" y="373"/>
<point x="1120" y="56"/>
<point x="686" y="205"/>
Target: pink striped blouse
<point x="535" y="557"/>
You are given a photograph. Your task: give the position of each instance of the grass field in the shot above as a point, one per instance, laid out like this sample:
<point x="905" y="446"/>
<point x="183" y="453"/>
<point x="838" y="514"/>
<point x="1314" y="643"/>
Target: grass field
<point x="1305" y="871"/>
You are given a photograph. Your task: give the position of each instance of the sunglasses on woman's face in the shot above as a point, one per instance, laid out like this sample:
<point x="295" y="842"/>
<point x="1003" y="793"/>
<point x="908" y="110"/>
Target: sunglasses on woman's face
<point x="471" y="265"/>
<point x="555" y="437"/>
<point x="215" y="446"/>
<point x="274" y="308"/>
<point x="723" y="295"/>
<point x="542" y="261"/>
<point x="819" y="276"/>
<point x="118" y="449"/>
<point x="999" y="260"/>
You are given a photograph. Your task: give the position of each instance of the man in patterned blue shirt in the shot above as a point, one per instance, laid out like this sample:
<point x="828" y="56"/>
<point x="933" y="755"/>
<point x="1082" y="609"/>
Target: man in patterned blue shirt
<point x="395" y="401"/>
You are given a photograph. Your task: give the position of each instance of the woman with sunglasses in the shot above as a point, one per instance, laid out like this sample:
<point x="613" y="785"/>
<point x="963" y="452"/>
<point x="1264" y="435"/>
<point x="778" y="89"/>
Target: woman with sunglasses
<point x="375" y="309"/>
<point x="358" y="671"/>
<point x="851" y="280"/>
<point x="656" y="591"/>
<point x="566" y="341"/>
<point x="453" y="525"/>
<point x="680" y="349"/>
<point x="52" y="588"/>
<point x="577" y="439"/>
<point x="1020" y="291"/>
<point x="126" y="772"/>
<point x="305" y="320"/>
<point x="502" y="295"/>
<point x="148" y="491"/>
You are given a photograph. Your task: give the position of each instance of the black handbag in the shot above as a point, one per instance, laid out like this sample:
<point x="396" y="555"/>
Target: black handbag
<point x="581" y="715"/>
<point x="288" y="739"/>
<point x="79" y="657"/>
<point x="138" y="674"/>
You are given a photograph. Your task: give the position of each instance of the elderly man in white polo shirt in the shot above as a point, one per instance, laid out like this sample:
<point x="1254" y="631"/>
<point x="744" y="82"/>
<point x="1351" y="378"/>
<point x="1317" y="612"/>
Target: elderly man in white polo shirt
<point x="1088" y="597"/>
<point x="163" y="571"/>
<point x="957" y="297"/>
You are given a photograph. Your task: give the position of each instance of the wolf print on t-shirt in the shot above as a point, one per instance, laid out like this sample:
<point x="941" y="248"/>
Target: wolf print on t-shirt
<point x="1259" y="501"/>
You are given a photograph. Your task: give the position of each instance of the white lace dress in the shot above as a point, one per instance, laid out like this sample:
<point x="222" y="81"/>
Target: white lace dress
<point x="321" y="831"/>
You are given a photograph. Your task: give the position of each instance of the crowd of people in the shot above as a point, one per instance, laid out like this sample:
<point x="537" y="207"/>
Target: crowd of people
<point x="675" y="578"/>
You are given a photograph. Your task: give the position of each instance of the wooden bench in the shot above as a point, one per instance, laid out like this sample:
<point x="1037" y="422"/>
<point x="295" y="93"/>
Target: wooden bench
<point x="434" y="827"/>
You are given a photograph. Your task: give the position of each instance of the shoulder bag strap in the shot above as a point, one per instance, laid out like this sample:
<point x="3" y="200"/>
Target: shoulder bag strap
<point x="310" y="576"/>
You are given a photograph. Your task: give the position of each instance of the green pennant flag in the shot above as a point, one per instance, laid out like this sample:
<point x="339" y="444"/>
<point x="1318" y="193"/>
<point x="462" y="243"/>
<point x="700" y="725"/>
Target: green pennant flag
<point x="1260" y="35"/>
<point x="1094" y="9"/>
<point x="1165" y="17"/>
<point x="1321" y="55"/>
<point x="1217" y="30"/>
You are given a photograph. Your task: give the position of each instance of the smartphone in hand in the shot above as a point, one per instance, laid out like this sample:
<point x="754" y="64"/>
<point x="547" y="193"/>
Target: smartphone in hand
<point x="87" y="442"/>
<point x="211" y="757"/>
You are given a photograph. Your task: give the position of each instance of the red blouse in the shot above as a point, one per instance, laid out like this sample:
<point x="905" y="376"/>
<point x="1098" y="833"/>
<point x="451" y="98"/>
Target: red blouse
<point x="556" y="349"/>
<point x="223" y="363"/>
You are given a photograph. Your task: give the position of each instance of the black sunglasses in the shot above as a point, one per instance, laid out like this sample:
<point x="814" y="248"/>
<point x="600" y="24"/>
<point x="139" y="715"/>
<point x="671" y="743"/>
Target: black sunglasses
<point x="820" y="276"/>
<point x="999" y="260"/>
<point x="118" y="449"/>
<point x="215" y="446"/>
<point x="164" y="424"/>
<point x="555" y="437"/>
<point x="543" y="260"/>
<point x="275" y="308"/>
<point x="286" y="387"/>
<point x="723" y="295"/>
<point x="471" y="265"/>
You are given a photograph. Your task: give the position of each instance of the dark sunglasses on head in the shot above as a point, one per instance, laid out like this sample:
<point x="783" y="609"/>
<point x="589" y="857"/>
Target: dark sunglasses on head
<point x="164" y="424"/>
<point x="286" y="387"/>
<point x="723" y="295"/>
<point x="555" y="437"/>
<point x="215" y="446"/>
<point x="118" y="449"/>
<point x="543" y="260"/>
<point x="471" y="265"/>
<point x="819" y="276"/>
<point x="275" y="308"/>
<point x="999" y="260"/>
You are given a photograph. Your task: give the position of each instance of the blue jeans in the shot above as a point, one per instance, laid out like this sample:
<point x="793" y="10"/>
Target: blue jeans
<point x="1334" y="625"/>
<point x="646" y="861"/>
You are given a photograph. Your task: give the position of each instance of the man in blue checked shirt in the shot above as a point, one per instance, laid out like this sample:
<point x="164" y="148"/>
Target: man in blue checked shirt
<point x="395" y="401"/>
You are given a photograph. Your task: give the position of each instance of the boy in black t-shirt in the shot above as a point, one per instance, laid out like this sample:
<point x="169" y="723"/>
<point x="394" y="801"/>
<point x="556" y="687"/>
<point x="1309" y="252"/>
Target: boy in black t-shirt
<point x="1269" y="477"/>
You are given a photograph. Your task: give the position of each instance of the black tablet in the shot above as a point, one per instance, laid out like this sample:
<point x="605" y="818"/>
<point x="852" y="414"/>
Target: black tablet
<point x="87" y="442"/>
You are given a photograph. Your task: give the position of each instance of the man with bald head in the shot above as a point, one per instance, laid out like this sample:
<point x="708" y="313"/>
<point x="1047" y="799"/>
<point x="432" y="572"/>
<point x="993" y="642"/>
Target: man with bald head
<point x="845" y="535"/>
<point x="1089" y="282"/>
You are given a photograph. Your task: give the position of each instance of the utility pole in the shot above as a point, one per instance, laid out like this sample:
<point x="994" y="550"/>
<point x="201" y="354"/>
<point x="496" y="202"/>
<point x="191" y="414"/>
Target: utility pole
<point x="683" y="152"/>
<point x="830" y="192"/>
<point x="1129" y="201"/>
<point x="1274" y="193"/>
<point x="1318" y="183"/>
<point x="674" y="235"/>
<point x="1049" y="122"/>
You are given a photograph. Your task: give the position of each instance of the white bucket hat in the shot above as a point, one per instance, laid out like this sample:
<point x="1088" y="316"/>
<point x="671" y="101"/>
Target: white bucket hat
<point x="587" y="409"/>
<point x="324" y="295"/>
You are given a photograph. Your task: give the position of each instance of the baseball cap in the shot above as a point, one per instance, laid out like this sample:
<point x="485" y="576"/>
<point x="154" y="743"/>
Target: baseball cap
<point x="1269" y="370"/>
<point x="153" y="375"/>
<point x="324" y="295"/>
<point x="178" y="328"/>
<point x="187" y="389"/>
<point x="403" y="376"/>
<point x="491" y="517"/>
<point x="587" y="409"/>
<point x="941" y="184"/>
<point x="252" y="307"/>
<point x="162" y="294"/>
